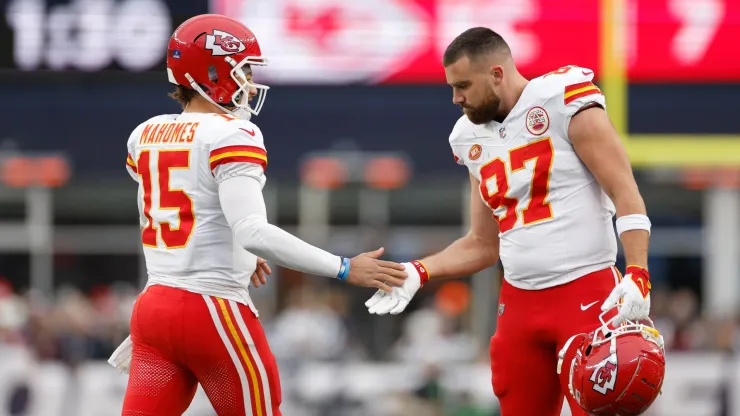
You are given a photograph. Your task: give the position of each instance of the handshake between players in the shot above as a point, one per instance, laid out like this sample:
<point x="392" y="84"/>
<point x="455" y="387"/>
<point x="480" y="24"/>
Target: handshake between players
<point x="365" y="269"/>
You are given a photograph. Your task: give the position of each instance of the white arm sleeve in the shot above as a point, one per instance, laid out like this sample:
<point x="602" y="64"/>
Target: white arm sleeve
<point x="244" y="209"/>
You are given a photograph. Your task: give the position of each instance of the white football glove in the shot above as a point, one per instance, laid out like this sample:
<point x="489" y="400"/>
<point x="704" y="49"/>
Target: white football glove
<point x="634" y="291"/>
<point x="395" y="302"/>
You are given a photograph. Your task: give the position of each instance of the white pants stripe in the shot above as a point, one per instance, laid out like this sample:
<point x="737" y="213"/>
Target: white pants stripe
<point x="232" y="353"/>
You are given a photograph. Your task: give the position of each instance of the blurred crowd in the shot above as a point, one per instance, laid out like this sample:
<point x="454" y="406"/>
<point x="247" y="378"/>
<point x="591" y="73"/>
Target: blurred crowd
<point x="320" y="325"/>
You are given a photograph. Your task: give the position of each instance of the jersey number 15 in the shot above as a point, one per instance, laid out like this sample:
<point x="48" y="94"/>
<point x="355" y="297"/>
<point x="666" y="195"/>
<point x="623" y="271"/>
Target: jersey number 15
<point x="158" y="180"/>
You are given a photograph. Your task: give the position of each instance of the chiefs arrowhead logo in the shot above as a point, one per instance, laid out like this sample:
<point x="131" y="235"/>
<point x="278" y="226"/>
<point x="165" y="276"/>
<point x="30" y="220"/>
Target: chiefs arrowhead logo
<point x="604" y="376"/>
<point x="329" y="41"/>
<point x="222" y="43"/>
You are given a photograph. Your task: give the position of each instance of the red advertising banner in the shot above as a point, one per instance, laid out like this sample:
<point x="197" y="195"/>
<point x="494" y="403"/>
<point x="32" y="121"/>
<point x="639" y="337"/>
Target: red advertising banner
<point x="685" y="41"/>
<point x="402" y="41"/>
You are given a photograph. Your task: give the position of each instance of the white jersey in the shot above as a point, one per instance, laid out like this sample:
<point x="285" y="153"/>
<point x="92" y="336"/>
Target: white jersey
<point x="178" y="161"/>
<point x="555" y="221"/>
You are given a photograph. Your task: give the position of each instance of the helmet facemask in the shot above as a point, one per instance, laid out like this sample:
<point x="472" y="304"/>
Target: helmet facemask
<point x="239" y="106"/>
<point x="608" y="332"/>
<point x="240" y="99"/>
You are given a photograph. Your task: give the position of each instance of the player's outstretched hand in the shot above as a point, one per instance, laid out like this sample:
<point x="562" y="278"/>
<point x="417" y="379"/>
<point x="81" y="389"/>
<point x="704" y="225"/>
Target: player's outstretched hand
<point x="259" y="277"/>
<point x="395" y="302"/>
<point x="368" y="270"/>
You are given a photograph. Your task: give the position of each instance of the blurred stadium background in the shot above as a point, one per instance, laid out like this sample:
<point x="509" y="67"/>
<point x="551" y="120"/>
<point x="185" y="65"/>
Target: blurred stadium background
<point x="356" y="125"/>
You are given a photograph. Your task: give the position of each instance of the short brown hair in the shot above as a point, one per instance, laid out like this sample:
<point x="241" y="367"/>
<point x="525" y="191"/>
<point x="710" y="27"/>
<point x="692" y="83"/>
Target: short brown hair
<point x="183" y="95"/>
<point x="473" y="43"/>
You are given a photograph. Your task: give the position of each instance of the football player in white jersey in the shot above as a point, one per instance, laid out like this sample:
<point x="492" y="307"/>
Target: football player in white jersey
<point x="544" y="158"/>
<point x="200" y="176"/>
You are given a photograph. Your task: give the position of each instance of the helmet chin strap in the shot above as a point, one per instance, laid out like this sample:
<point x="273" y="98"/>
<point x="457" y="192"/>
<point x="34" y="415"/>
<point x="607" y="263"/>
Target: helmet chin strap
<point x="561" y="354"/>
<point x="613" y="350"/>
<point x="239" y="112"/>
<point x="242" y="113"/>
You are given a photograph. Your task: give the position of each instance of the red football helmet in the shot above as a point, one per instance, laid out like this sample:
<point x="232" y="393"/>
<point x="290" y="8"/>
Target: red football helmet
<point x="614" y="372"/>
<point x="212" y="54"/>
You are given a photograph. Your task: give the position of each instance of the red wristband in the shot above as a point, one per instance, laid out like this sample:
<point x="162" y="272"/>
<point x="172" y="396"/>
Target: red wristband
<point x="641" y="277"/>
<point x="423" y="273"/>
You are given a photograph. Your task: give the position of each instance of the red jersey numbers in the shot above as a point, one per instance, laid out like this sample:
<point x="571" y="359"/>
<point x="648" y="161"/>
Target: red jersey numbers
<point x="494" y="185"/>
<point x="156" y="182"/>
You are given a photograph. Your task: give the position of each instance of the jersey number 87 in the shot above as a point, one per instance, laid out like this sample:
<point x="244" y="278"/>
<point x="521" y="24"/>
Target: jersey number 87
<point x="538" y="208"/>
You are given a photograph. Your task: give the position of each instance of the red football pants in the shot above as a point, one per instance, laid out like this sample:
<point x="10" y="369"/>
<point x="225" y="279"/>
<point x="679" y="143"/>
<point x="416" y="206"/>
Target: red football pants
<point x="181" y="339"/>
<point x="533" y="325"/>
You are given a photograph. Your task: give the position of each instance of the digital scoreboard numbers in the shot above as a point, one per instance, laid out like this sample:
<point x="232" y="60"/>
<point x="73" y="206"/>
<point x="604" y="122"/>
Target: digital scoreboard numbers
<point x="90" y="35"/>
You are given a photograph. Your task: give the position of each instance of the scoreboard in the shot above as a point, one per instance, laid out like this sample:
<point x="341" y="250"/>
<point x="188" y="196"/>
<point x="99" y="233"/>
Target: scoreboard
<point x="380" y="41"/>
<point x="345" y="42"/>
<point x="90" y="35"/>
